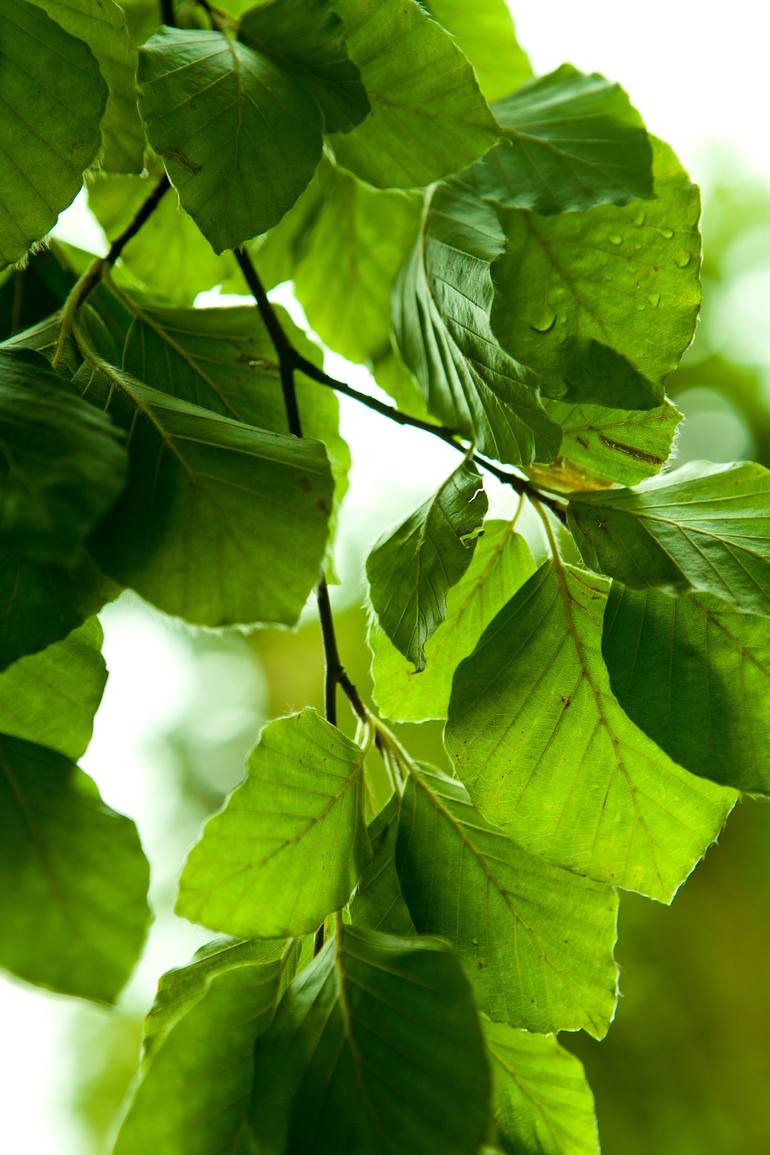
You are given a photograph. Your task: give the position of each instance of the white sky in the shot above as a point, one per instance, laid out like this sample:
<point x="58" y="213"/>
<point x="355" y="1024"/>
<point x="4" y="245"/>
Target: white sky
<point x="698" y="74"/>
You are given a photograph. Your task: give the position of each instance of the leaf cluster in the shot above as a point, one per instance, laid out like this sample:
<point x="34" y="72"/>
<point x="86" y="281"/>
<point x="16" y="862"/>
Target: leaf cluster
<point x="517" y="262"/>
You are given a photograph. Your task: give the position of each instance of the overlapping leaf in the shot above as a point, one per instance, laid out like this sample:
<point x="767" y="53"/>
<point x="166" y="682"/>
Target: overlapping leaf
<point x="603" y="303"/>
<point x="701" y="528"/>
<point x="376" y="1046"/>
<point x="536" y="940"/>
<point x="542" y="1102"/>
<point x="486" y="34"/>
<point x="428" y="117"/>
<point x="570" y="141"/>
<point x="694" y="673"/>
<point x="73" y="877"/>
<point x="600" y="445"/>
<point x="62" y="463"/>
<point x="220" y="522"/>
<point x="290" y="844"/>
<point x="441" y="322"/>
<point x="411" y="571"/>
<point x="548" y="754"/>
<point x="501" y="563"/>
<point x="102" y="26"/>
<point x="54" y="97"/>
<point x="378" y="903"/>
<point x="200" y="1033"/>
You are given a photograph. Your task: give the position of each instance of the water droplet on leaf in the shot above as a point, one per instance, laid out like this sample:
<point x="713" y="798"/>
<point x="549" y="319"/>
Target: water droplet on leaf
<point x="682" y="260"/>
<point x="544" y="323"/>
<point x="615" y="239"/>
<point x="639" y="219"/>
<point x="667" y="234"/>
<point x="654" y="299"/>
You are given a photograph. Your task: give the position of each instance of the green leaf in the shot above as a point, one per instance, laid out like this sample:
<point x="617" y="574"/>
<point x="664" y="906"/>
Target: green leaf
<point x="501" y="563"/>
<point x="570" y="141"/>
<point x="602" y="304"/>
<point x="536" y="940"/>
<point x="308" y="37"/>
<point x="239" y="135"/>
<point x="30" y="294"/>
<point x="189" y="263"/>
<point x="699" y="528"/>
<point x="51" y="697"/>
<point x="290" y="843"/>
<point x="74" y="880"/>
<point x="548" y="754"/>
<point x="542" y="1102"/>
<point x="411" y="570"/>
<point x="102" y="25"/>
<point x="345" y="276"/>
<point x="220" y="523"/>
<point x="428" y="116"/>
<point x="54" y="98"/>
<point x="441" y="321"/>
<point x="376" y="1047"/>
<point x="486" y="34"/>
<point x="601" y="445"/>
<point x="378" y="903"/>
<point x="694" y="674"/>
<point x="63" y="463"/>
<point x="200" y="1033"/>
<point x="41" y="604"/>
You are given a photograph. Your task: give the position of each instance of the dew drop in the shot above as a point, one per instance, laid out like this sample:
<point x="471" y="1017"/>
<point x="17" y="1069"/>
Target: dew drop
<point x="682" y="260"/>
<point x="639" y="219"/>
<point x="654" y="299"/>
<point x="666" y="233"/>
<point x="615" y="239"/>
<point x="543" y="323"/>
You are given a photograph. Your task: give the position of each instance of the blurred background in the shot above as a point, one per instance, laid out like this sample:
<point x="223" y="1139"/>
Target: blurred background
<point x="686" y="1067"/>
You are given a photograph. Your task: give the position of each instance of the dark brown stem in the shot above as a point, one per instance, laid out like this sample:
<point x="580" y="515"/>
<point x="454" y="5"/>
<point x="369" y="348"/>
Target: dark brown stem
<point x="167" y="14"/>
<point x="289" y="361"/>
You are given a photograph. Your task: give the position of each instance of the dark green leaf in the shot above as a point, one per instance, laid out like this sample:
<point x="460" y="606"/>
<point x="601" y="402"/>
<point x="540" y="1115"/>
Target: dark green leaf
<point x="548" y="754"/>
<point x="54" y="97"/>
<point x="239" y="135"/>
<point x="74" y="880"/>
<point x="102" y="25"/>
<point x="378" y="903"/>
<point x="290" y="844"/>
<point x="485" y="32"/>
<point x="501" y="563"/>
<point x="40" y="604"/>
<point x="411" y="571"/>
<point x="200" y="1034"/>
<point x="702" y="527"/>
<point x="542" y="1102"/>
<point x="570" y="141"/>
<point x="63" y="463"/>
<point x="428" y="116"/>
<point x="308" y="37"/>
<point x="51" y="697"/>
<point x="441" y="321"/>
<point x="220" y="523"/>
<point x="376" y="1047"/>
<point x="694" y="674"/>
<point x="602" y="304"/>
<point x="536" y="940"/>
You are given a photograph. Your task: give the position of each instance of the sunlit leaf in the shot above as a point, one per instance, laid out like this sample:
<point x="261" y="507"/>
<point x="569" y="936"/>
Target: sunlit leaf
<point x="290" y="843"/>
<point x="485" y="32"/>
<point x="548" y="754"/>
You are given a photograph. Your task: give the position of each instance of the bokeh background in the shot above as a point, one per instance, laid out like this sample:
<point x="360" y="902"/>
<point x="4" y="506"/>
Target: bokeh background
<point x="686" y="1067"/>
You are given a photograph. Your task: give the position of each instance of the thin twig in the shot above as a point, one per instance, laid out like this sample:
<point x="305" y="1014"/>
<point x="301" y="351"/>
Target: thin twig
<point x="95" y="271"/>
<point x="289" y="361"/>
<point x="167" y="14"/>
